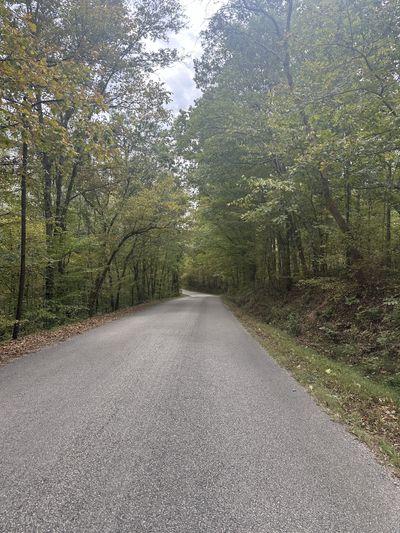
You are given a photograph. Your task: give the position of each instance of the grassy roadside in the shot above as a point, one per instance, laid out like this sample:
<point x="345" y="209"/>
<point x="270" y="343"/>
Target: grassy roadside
<point x="370" y="410"/>
<point x="12" y="349"/>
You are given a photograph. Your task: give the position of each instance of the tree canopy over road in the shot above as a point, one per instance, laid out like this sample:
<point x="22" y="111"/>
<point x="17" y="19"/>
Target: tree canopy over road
<point x="291" y="155"/>
<point x="279" y="186"/>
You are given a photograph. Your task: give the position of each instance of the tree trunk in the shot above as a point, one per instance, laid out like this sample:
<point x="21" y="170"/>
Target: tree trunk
<point x="48" y="213"/>
<point x="22" y="268"/>
<point x="352" y="253"/>
<point x="299" y="245"/>
<point x="388" y="217"/>
<point x="284" y="259"/>
<point x="98" y="284"/>
<point x="49" y="225"/>
<point x="388" y="234"/>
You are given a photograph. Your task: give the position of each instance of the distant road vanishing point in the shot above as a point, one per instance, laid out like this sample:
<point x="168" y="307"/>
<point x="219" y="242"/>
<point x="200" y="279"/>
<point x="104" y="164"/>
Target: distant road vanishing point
<point x="174" y="419"/>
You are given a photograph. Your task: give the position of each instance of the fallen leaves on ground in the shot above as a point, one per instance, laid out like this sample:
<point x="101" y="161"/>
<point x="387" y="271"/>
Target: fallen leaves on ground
<point x="30" y="343"/>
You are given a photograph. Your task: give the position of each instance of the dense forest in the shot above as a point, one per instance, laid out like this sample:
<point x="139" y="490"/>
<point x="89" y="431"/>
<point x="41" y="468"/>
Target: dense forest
<point x="293" y="154"/>
<point x="226" y="277"/>
<point x="280" y="186"/>
<point x="293" y="157"/>
<point x="295" y="143"/>
<point x="90" y="211"/>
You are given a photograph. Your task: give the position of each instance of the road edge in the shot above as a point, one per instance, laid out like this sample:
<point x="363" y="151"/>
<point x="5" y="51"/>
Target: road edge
<point x="28" y="344"/>
<point x="318" y="375"/>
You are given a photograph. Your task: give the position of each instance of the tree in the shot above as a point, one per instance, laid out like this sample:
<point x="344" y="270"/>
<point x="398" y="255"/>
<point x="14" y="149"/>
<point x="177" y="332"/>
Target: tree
<point x="295" y="135"/>
<point x="82" y="122"/>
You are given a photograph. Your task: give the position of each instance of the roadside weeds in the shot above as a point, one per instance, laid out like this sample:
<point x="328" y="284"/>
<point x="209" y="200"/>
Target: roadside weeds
<point x="370" y="410"/>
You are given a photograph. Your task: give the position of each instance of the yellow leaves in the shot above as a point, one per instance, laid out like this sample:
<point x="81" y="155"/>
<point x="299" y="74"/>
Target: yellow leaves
<point x="323" y="166"/>
<point x="32" y="26"/>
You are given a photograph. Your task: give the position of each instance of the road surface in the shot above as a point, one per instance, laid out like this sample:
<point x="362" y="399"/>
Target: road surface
<point x="174" y="419"/>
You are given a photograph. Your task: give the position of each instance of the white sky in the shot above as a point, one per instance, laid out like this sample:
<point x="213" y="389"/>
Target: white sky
<point x="179" y="77"/>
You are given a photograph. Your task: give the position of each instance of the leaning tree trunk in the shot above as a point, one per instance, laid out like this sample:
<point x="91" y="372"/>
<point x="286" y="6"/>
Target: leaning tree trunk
<point x="98" y="284"/>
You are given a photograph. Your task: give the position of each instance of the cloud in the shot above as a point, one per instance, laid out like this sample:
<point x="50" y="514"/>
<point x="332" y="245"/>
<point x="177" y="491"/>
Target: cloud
<point x="179" y="81"/>
<point x="179" y="77"/>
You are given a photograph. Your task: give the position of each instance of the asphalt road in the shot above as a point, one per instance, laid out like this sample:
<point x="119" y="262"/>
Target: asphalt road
<point x="175" y="420"/>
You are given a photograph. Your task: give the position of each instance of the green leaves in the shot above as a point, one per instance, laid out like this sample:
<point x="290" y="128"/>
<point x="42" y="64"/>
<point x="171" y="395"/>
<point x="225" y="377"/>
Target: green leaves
<point x="294" y="142"/>
<point x="104" y="214"/>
